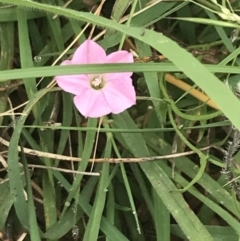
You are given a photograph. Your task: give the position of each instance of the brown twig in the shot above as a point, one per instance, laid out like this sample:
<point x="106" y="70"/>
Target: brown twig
<point x="110" y="160"/>
<point x="60" y="170"/>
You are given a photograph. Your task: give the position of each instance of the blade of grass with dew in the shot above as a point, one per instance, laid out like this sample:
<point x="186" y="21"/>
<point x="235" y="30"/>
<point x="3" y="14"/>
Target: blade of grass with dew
<point x="220" y="233"/>
<point x="128" y="189"/>
<point x="48" y="184"/>
<point x="209" y="203"/>
<point x="70" y="218"/>
<point x="6" y="200"/>
<point x="161" y="219"/>
<point x="14" y="170"/>
<point x="144" y="188"/>
<point x="87" y="151"/>
<point x="66" y="222"/>
<point x="162" y="184"/>
<point x="75" y="210"/>
<point x="189" y="168"/>
<point x="123" y="205"/>
<point x="14" y="182"/>
<point x="110" y="202"/>
<point x="93" y="226"/>
<point x="110" y="207"/>
<point x="64" y="225"/>
<point x="49" y="199"/>
<point x="26" y="61"/>
<point x="33" y="225"/>
<point x="106" y="227"/>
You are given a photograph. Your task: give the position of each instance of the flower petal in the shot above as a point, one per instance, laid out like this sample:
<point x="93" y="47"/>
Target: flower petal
<point x="120" y="95"/>
<point x="89" y="52"/>
<point x="119" y="57"/>
<point x="92" y="103"/>
<point x="73" y="84"/>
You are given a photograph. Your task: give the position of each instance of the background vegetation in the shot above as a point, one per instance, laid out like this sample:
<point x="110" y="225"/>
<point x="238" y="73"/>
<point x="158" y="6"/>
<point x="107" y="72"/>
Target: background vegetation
<point x="64" y="177"/>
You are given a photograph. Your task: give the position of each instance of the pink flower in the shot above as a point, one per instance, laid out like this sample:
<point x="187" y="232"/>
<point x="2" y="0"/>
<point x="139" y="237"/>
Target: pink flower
<point x="97" y="95"/>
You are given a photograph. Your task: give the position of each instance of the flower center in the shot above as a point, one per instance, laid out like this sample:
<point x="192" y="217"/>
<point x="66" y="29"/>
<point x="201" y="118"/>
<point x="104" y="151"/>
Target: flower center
<point x="97" y="83"/>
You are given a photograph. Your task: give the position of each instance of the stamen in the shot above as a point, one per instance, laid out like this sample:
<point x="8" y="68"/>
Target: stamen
<point x="97" y="82"/>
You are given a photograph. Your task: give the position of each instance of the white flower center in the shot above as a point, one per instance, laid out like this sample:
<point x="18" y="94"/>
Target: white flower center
<point x="97" y="82"/>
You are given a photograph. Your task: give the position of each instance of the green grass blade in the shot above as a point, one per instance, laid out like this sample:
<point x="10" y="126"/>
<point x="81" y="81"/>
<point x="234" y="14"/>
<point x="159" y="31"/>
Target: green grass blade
<point x="162" y="219"/>
<point x="163" y="186"/>
<point x="93" y="226"/>
<point x="6" y="201"/>
<point x="14" y="170"/>
<point x="33" y="225"/>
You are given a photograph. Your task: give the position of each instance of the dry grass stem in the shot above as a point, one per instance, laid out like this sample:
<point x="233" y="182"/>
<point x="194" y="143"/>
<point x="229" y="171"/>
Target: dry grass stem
<point x="110" y="160"/>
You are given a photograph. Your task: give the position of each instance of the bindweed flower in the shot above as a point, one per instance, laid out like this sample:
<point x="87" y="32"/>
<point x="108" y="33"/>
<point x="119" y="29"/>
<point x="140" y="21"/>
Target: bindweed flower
<point x="97" y="95"/>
